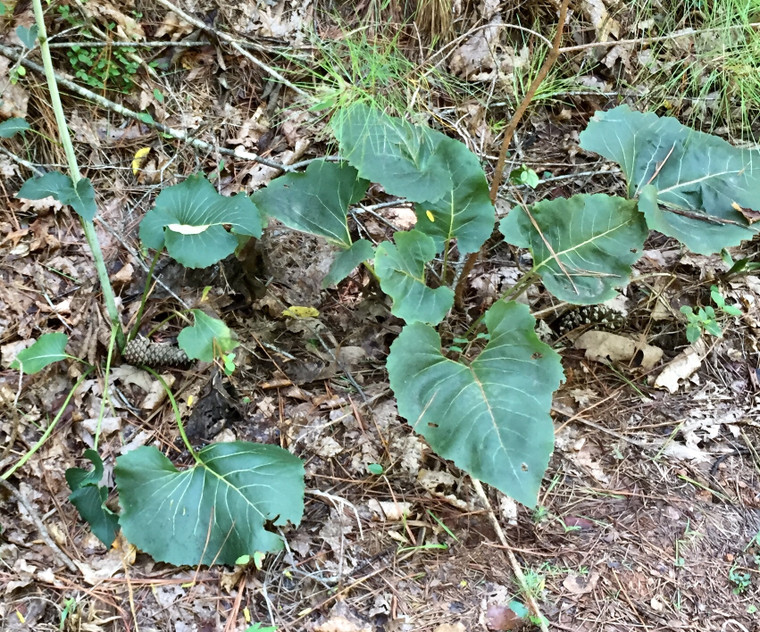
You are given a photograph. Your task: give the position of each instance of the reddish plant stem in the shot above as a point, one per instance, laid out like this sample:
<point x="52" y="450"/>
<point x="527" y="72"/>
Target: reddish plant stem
<point x="508" y="133"/>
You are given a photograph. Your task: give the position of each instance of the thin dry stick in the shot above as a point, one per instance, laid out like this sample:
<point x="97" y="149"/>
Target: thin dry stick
<point x="231" y="41"/>
<point x="512" y="559"/>
<point x="509" y="132"/>
<point x="44" y="534"/>
<point x="119" y="109"/>
<point x="548" y="245"/>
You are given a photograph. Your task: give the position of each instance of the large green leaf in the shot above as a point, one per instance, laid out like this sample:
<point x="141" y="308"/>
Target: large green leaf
<point x="214" y="512"/>
<point x="189" y="218"/>
<point x="89" y="497"/>
<point x="700" y="179"/>
<point x="465" y="210"/>
<point x="583" y="247"/>
<point x="413" y="161"/>
<point x="60" y="186"/>
<point x="397" y="154"/>
<point x="315" y="201"/>
<point x="401" y="270"/>
<point x="490" y="417"/>
<point x="47" y="349"/>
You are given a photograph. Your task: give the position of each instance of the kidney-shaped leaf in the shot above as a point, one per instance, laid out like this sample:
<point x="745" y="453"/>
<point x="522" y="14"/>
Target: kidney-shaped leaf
<point x="190" y="217"/>
<point x="60" y="186"/>
<point x="702" y="176"/>
<point x="490" y="417"/>
<point x="464" y="211"/>
<point x="391" y="151"/>
<point x="214" y="512"/>
<point x="583" y="247"/>
<point x="315" y="201"/>
<point x="401" y="270"/>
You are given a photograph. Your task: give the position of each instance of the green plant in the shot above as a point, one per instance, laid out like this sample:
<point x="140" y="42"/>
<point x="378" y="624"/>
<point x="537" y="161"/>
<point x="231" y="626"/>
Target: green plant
<point x="224" y="506"/>
<point x="103" y="67"/>
<point x="741" y="581"/>
<point x="257" y="627"/>
<point x="367" y="65"/>
<point x="704" y="319"/>
<point x="583" y="249"/>
<point x="487" y="409"/>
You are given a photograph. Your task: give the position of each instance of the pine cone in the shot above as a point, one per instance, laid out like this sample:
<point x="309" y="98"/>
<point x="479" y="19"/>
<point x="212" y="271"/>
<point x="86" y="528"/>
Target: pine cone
<point x="154" y="354"/>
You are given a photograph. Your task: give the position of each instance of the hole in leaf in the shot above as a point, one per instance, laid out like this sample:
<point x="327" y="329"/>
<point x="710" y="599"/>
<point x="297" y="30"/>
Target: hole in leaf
<point x="524" y="467"/>
<point x="536" y="356"/>
<point x="432" y="425"/>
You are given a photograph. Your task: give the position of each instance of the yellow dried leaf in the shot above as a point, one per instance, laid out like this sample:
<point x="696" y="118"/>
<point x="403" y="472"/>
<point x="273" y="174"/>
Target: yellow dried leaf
<point x="298" y="311"/>
<point x="139" y="160"/>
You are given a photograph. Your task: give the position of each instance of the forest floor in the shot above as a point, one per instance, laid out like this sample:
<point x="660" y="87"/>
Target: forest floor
<point x="649" y="514"/>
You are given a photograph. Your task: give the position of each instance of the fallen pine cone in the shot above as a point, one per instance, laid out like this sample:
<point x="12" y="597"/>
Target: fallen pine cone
<point x="154" y="354"/>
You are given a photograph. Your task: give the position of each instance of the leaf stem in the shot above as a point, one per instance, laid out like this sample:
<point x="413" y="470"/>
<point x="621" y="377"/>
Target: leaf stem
<point x="68" y="148"/>
<point x="106" y="395"/>
<point x="177" y="416"/>
<point x="146" y="292"/>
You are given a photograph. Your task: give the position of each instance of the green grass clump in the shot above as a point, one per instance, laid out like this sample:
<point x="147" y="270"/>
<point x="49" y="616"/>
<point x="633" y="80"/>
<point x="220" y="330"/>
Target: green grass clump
<point x="708" y="77"/>
<point x="373" y="66"/>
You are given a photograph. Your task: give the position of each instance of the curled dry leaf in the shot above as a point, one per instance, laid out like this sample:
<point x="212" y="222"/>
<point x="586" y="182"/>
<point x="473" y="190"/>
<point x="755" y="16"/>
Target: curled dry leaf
<point x="580" y="584"/>
<point x="389" y="510"/>
<point x="681" y="367"/>
<point x="603" y="345"/>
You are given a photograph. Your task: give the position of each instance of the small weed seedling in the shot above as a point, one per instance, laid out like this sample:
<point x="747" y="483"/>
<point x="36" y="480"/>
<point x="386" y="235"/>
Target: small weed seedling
<point x="704" y="319"/>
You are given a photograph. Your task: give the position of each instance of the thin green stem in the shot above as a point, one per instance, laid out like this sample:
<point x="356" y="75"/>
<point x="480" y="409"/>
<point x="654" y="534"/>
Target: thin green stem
<point x="105" y="397"/>
<point x="68" y="148"/>
<point x="444" y="269"/>
<point x="146" y="292"/>
<point x="371" y="270"/>
<point x="177" y="415"/>
<point x="48" y="430"/>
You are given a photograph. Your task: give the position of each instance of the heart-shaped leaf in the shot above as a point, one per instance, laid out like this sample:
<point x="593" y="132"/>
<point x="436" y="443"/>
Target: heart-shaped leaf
<point x="701" y="180"/>
<point x="401" y="270"/>
<point x="28" y="35"/>
<point x="190" y="219"/>
<point x="60" y="186"/>
<point x="583" y="247"/>
<point x="207" y="339"/>
<point x="315" y="201"/>
<point x="214" y="512"/>
<point x="89" y="498"/>
<point x="424" y="165"/>
<point x="47" y="349"/>
<point x="490" y="416"/>
<point x="464" y="211"/>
